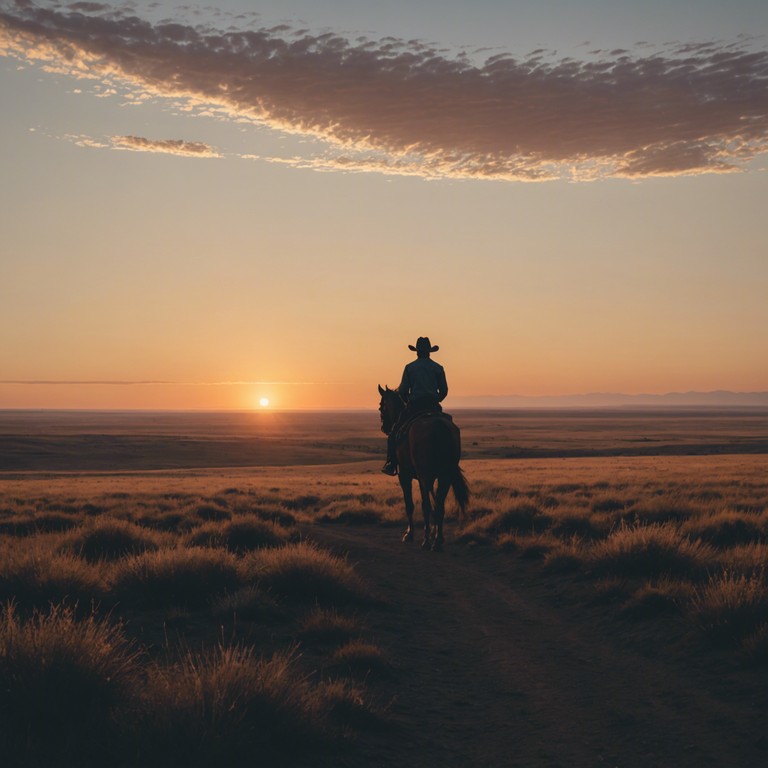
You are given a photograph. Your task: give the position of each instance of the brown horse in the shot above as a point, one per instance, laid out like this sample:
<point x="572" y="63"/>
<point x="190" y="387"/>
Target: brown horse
<point x="430" y="454"/>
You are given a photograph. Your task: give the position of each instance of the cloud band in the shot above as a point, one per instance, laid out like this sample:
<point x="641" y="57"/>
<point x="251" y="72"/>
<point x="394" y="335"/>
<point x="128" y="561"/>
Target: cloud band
<point x="406" y="108"/>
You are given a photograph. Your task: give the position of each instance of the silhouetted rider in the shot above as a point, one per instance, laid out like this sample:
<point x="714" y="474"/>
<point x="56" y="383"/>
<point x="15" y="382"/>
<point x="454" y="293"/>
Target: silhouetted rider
<point x="422" y="388"/>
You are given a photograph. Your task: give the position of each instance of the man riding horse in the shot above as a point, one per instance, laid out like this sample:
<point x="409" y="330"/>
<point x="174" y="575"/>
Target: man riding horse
<point x="422" y="388"/>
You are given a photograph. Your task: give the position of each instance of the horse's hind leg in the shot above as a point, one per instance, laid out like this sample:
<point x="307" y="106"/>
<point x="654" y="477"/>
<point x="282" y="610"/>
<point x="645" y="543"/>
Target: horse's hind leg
<point x="443" y="486"/>
<point x="426" y="508"/>
<point x="407" y="485"/>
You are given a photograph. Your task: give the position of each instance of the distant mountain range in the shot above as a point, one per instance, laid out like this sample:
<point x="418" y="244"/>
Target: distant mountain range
<point x="720" y="398"/>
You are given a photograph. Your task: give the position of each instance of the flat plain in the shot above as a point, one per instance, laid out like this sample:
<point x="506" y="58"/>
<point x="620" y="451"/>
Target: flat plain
<point x="605" y="603"/>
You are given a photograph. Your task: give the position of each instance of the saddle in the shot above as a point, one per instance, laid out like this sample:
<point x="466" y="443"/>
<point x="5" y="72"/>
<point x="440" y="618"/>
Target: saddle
<point x="402" y="432"/>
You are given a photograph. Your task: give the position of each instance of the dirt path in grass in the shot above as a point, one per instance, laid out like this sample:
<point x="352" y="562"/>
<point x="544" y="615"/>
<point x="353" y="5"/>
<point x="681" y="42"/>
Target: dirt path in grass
<point x="497" y="666"/>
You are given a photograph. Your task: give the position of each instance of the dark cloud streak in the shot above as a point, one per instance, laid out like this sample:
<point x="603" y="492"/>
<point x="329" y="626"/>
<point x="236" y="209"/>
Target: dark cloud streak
<point x="405" y="107"/>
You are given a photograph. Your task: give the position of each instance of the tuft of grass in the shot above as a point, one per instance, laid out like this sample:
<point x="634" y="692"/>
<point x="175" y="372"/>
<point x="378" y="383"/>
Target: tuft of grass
<point x="248" y="603"/>
<point x="730" y="607"/>
<point x="180" y="576"/>
<point x="344" y="704"/>
<point x="212" y="513"/>
<point x="61" y="681"/>
<point x="226" y="706"/>
<point x="648" y="550"/>
<point x="608" y="504"/>
<point x="110" y="539"/>
<point x="38" y="578"/>
<point x="519" y="518"/>
<point x="300" y="503"/>
<point x="361" y="658"/>
<point x="53" y="522"/>
<point x="323" y="626"/>
<point x="725" y="528"/>
<point x="240" y="535"/>
<point x="657" y="597"/>
<point x="305" y="573"/>
<point x="569" y="524"/>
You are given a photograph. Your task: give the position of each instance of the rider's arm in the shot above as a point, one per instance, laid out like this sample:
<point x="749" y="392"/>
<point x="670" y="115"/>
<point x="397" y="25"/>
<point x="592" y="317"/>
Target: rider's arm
<point x="404" y="390"/>
<point x="442" y="384"/>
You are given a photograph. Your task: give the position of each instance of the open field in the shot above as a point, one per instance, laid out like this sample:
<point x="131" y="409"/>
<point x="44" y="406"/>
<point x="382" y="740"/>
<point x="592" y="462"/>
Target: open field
<point x="593" y="610"/>
<point x="107" y="441"/>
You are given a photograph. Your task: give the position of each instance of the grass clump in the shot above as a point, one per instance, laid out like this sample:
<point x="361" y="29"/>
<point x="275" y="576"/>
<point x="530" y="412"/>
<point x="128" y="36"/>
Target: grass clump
<point x="729" y="607"/>
<point x="305" y="573"/>
<point x="327" y="626"/>
<point x="39" y="578"/>
<point x="647" y="551"/>
<point x="61" y="681"/>
<point x="248" y="603"/>
<point x="180" y="576"/>
<point x="360" y="658"/>
<point x="110" y="539"/>
<point x="225" y="706"/>
<point x="726" y="528"/>
<point x="240" y="535"/>
<point x="212" y="513"/>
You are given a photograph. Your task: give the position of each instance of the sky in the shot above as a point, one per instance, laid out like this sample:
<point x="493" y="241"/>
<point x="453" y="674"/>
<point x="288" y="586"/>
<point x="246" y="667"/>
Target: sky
<point x="202" y="207"/>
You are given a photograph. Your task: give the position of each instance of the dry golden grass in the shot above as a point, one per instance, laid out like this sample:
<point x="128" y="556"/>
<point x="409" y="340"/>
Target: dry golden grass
<point x="304" y="572"/>
<point x="644" y="536"/>
<point x="184" y="567"/>
<point x="61" y="681"/>
<point x="327" y="626"/>
<point x="226" y="706"/>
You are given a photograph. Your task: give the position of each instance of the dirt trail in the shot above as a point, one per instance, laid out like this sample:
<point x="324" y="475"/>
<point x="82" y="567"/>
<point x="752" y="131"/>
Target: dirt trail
<point x="495" y="668"/>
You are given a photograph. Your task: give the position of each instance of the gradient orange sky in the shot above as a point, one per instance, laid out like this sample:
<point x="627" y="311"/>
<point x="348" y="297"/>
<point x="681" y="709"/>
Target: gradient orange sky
<point x="205" y="245"/>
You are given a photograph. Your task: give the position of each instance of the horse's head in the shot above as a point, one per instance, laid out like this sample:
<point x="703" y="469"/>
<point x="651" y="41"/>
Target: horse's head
<point x="390" y="408"/>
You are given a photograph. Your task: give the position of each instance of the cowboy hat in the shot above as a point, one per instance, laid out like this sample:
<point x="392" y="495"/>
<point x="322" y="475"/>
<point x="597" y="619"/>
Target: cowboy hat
<point x="423" y="345"/>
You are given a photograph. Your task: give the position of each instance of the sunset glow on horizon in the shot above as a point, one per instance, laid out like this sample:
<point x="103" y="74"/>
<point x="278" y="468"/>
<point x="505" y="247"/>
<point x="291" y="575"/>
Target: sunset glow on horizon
<point x="221" y="209"/>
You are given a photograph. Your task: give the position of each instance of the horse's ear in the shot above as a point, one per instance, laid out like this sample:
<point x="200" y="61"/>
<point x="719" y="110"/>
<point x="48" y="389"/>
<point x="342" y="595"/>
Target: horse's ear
<point x="381" y="391"/>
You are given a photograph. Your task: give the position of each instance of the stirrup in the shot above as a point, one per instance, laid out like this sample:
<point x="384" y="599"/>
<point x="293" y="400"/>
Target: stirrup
<point x="390" y="468"/>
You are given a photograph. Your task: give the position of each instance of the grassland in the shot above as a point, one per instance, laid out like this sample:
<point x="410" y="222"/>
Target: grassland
<point x="198" y="616"/>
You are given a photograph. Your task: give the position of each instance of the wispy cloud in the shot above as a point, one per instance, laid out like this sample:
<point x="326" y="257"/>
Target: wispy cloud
<point x="165" y="146"/>
<point x="401" y="107"/>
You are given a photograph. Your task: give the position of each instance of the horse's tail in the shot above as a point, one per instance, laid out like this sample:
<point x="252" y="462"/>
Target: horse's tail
<point x="461" y="490"/>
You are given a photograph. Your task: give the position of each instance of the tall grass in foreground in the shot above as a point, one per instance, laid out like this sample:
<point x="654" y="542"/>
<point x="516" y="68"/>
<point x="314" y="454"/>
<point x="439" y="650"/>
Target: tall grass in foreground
<point x="61" y="681"/>
<point x="226" y="705"/>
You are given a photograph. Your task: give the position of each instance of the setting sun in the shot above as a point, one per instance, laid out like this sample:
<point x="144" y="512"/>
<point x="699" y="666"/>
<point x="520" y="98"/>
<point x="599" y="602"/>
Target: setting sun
<point x="264" y="402"/>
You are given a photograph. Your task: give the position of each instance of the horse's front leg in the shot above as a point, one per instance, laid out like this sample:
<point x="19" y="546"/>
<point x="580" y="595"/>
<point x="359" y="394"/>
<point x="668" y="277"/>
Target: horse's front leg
<point x="426" y="508"/>
<point x="407" y="485"/>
